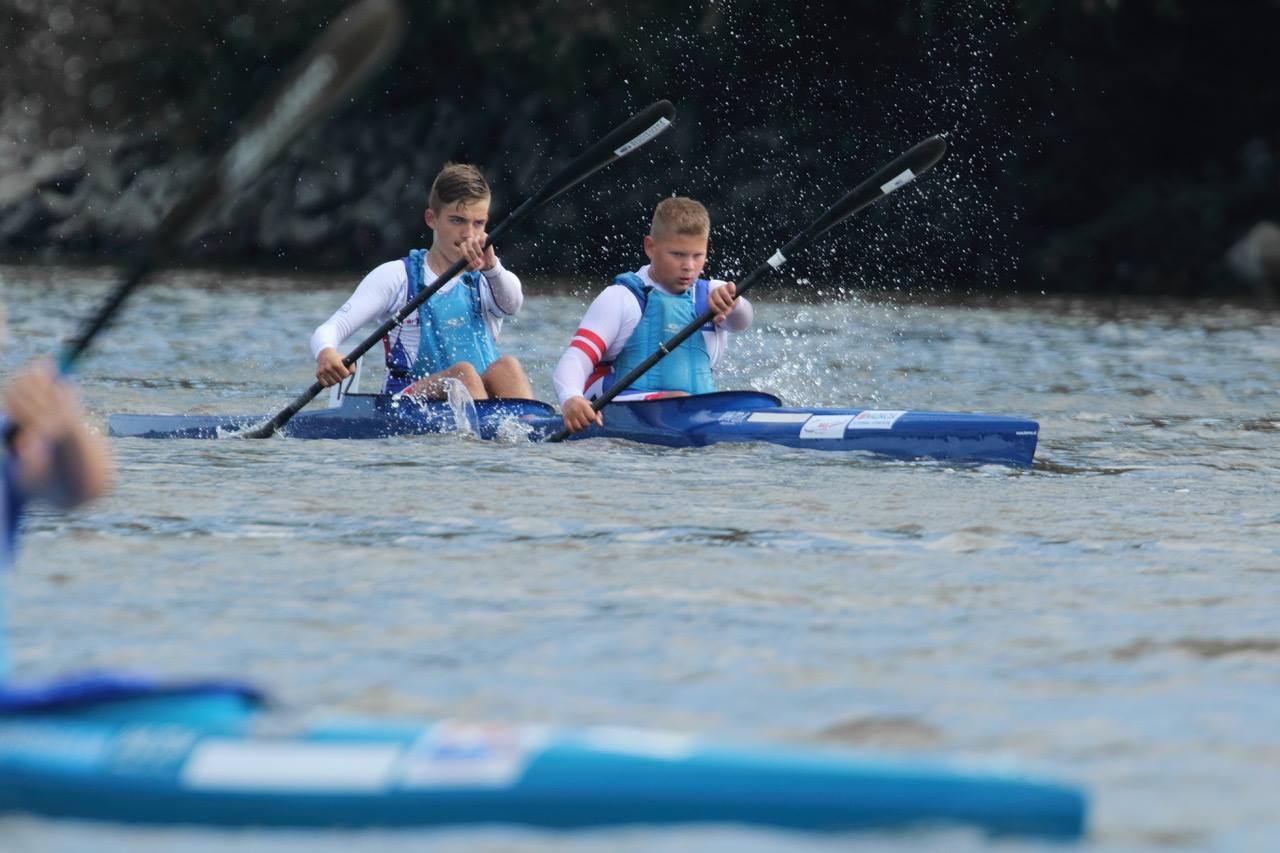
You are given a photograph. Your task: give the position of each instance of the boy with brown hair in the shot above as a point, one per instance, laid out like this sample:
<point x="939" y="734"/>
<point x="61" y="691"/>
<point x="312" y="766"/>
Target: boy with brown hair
<point x="641" y="309"/>
<point x="453" y="335"/>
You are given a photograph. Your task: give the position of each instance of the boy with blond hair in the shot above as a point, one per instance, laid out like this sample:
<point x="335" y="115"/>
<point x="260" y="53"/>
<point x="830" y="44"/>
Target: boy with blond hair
<point x="641" y="309"/>
<point x="453" y="335"/>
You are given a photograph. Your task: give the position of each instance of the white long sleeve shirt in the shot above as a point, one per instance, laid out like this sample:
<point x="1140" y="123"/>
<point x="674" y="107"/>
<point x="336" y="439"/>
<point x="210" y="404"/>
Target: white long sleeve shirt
<point x="385" y="290"/>
<point x="609" y="323"/>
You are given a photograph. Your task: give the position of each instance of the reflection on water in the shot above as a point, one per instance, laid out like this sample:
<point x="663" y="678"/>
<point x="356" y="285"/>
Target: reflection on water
<point x="1108" y="616"/>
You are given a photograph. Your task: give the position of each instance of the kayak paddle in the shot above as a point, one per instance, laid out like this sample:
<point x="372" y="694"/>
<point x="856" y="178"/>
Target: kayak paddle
<point x="351" y="49"/>
<point x="621" y="141"/>
<point x="890" y="177"/>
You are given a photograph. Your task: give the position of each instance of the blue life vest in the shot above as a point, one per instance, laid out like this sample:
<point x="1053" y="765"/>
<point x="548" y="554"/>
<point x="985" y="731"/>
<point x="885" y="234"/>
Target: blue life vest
<point x="451" y="329"/>
<point x="688" y="367"/>
<point x="11" y="500"/>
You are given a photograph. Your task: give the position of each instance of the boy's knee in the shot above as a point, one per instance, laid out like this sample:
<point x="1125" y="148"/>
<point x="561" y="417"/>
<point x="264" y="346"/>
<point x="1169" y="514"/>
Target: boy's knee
<point x="505" y="363"/>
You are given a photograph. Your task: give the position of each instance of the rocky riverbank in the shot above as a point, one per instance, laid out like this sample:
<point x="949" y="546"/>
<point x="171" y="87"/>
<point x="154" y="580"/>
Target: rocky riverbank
<point x="1092" y="148"/>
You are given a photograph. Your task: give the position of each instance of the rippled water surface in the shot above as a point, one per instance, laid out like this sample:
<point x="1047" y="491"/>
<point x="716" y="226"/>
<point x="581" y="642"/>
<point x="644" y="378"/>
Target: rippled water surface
<point x="1109" y="617"/>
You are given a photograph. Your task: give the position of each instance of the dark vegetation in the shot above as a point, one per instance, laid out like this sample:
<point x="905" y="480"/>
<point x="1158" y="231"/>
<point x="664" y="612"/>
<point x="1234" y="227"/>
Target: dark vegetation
<point x="1097" y="146"/>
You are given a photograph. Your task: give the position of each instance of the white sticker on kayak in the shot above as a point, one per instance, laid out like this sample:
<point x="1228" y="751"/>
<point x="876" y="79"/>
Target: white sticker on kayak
<point x="467" y="755"/>
<point x="235" y="765"/>
<point x="778" y="417"/>
<point x="906" y="177"/>
<point x="875" y="419"/>
<point x="824" y="426"/>
<point x="646" y="743"/>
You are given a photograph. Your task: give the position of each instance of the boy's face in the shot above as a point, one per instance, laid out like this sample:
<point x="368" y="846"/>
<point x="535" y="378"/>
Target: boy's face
<point x="457" y="222"/>
<point x="676" y="260"/>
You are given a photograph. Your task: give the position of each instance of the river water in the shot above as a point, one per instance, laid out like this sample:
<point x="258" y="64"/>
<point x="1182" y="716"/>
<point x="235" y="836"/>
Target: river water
<point x="1109" y="617"/>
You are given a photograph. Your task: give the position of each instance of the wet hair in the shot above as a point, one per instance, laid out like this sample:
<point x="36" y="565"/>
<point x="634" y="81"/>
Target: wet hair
<point x="457" y="182"/>
<point x="680" y="216"/>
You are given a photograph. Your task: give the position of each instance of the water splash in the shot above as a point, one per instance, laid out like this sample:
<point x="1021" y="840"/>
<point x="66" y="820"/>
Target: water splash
<point x="512" y="430"/>
<point x="465" y="417"/>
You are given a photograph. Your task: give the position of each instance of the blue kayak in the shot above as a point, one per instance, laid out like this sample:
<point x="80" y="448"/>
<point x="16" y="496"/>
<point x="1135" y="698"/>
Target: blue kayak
<point x="725" y="416"/>
<point x="356" y="416"/>
<point x="191" y="756"/>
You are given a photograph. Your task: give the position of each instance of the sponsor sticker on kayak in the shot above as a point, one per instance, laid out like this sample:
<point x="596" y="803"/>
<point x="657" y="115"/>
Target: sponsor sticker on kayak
<point x="875" y="419"/>
<point x="228" y="764"/>
<point x="779" y="417"/>
<point x="646" y="743"/>
<point x="468" y="755"/>
<point x="824" y="426"/>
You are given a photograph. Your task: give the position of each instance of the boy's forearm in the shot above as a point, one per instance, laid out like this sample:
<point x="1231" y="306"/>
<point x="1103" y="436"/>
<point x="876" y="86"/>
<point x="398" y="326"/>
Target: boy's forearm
<point x="504" y="285"/>
<point x="381" y="291"/>
<point x="571" y="374"/>
<point x="342" y="325"/>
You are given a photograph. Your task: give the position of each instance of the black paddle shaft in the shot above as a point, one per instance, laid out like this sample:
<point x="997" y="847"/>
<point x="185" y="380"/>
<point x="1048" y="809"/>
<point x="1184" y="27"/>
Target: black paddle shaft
<point x="351" y="49"/>
<point x="901" y="171"/>
<point x="354" y="46"/>
<point x="620" y="142"/>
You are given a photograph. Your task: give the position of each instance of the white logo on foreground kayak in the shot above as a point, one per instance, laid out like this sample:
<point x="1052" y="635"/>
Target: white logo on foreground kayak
<point x="456" y="754"/>
<point x="229" y="765"/>
<point x="645" y="743"/>
<point x="446" y="755"/>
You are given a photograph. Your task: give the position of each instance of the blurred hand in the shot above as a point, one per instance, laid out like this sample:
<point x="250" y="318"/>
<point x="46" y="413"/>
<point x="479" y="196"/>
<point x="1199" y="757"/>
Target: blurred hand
<point x="40" y="404"/>
<point x="59" y="457"/>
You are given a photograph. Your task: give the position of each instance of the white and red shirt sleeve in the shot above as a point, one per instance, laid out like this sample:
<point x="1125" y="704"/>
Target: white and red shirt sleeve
<point x="604" y="330"/>
<point x="607" y="326"/>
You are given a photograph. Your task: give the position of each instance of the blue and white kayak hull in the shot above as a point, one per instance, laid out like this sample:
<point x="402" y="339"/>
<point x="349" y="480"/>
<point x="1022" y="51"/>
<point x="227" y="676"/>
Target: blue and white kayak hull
<point x="379" y="774"/>
<point x="696" y="421"/>
<point x="744" y="416"/>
